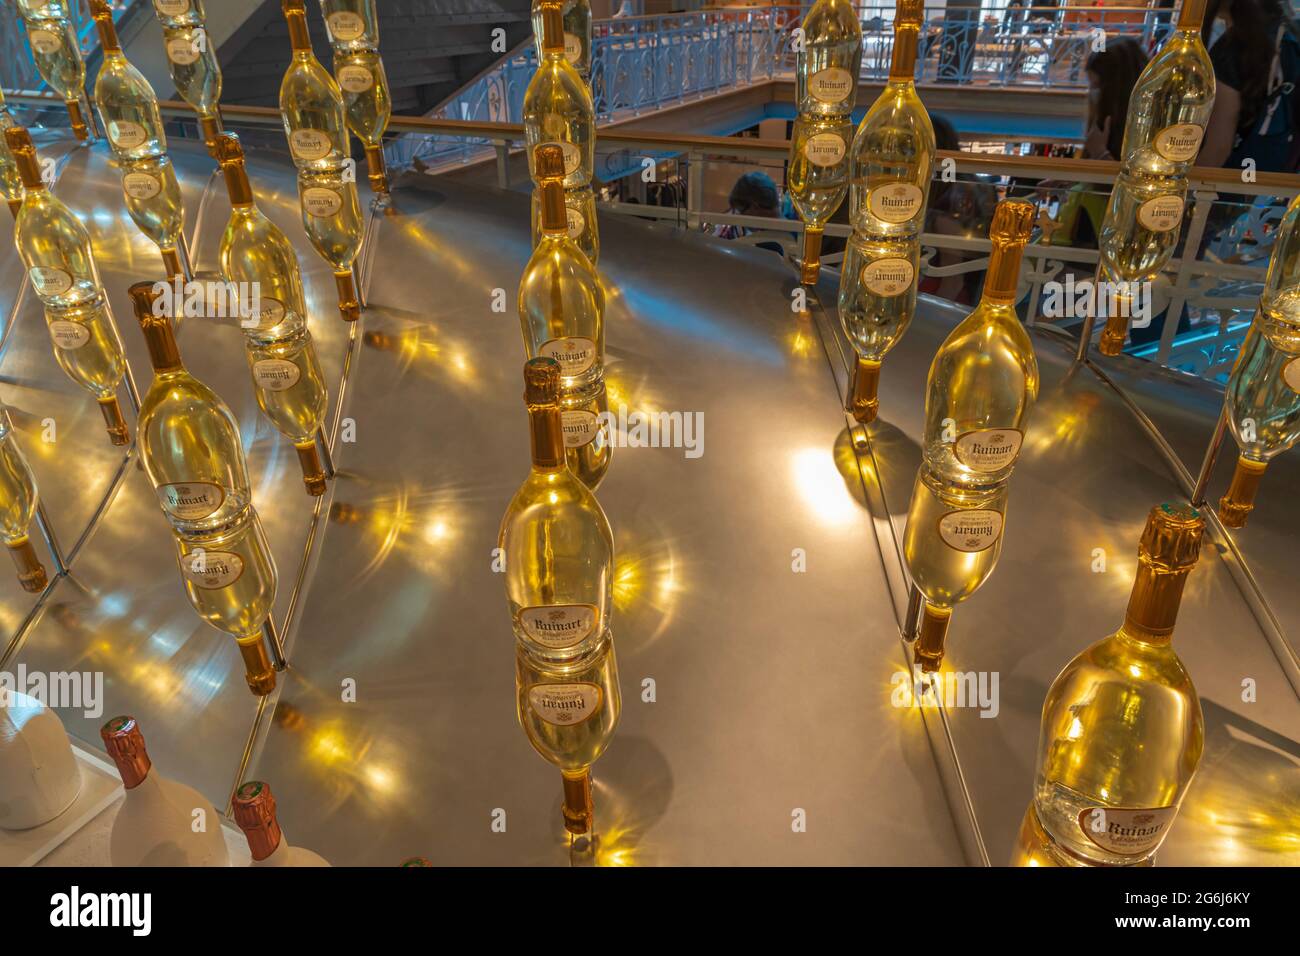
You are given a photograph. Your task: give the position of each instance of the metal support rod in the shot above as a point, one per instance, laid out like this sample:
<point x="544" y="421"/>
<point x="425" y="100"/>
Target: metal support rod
<point x="51" y="541"/>
<point x="912" y="614"/>
<point x="132" y="392"/>
<point x="1089" y="319"/>
<point x="183" y="250"/>
<point x="272" y="636"/>
<point x="1211" y="456"/>
<point x="502" y="148"/>
<point x="326" y="456"/>
<point x="694" y="187"/>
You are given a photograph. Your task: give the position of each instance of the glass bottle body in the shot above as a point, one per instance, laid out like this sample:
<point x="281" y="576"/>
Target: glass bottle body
<point x="569" y="710"/>
<point x="818" y="174"/>
<point x="87" y="347"/>
<point x="288" y="382"/>
<point x="558" y="109"/>
<point x="11" y="183"/>
<point x="827" y="69"/>
<point x="580" y="210"/>
<point x="311" y="106"/>
<point x="1263" y="392"/>
<point x="366" y="99"/>
<point x="562" y="312"/>
<point x="892" y="163"/>
<point x="229" y="574"/>
<point x="129" y="110"/>
<point x="331" y="215"/>
<point x="877" y="296"/>
<point x="576" y="16"/>
<point x="194" y="67"/>
<point x="153" y="199"/>
<point x="953" y="537"/>
<point x="56" y="53"/>
<point x="55" y="248"/>
<point x="17" y="486"/>
<point x="352" y="24"/>
<point x="254" y="252"/>
<point x="179" y="13"/>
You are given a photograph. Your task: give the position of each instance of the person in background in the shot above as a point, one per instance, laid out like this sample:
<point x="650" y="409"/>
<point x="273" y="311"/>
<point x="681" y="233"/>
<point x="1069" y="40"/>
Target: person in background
<point x="754" y="194"/>
<point x="1257" y="69"/>
<point x="961" y="208"/>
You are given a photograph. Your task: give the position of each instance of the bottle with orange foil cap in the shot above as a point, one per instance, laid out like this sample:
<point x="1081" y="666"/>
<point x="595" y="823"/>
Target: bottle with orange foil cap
<point x="160" y="822"/>
<point x="254" y="811"/>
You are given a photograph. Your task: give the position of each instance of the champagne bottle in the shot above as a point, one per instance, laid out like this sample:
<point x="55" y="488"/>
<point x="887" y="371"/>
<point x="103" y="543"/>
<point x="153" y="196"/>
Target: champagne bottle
<point x="1262" y="399"/>
<point x="561" y="301"/>
<point x="569" y="711"/>
<point x="291" y="392"/>
<point x="254" y="811"/>
<point x="189" y="440"/>
<point x="892" y="158"/>
<point x="352" y="24"/>
<point x="311" y="104"/>
<point x="828" y="65"/>
<point x="951" y="544"/>
<point x="55" y="247"/>
<point x="877" y="299"/>
<point x="18" y="507"/>
<point x="11" y="183"/>
<point x="160" y="822"/>
<point x="580" y="210"/>
<point x="127" y="105"/>
<point x="817" y="179"/>
<point x="153" y="200"/>
<point x="984" y="378"/>
<point x="558" y="547"/>
<point x="1167" y="114"/>
<point x="57" y="56"/>
<point x="575" y="17"/>
<point x="192" y="61"/>
<point x="557" y="106"/>
<point x="354" y="32"/>
<point x="1122" y="730"/>
<point x="331" y="216"/>
<point x="588" y="449"/>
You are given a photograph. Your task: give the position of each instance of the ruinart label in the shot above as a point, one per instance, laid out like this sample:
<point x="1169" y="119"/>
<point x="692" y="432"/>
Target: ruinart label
<point x="559" y="625"/>
<point x="141" y="185"/>
<point x="269" y="312"/>
<point x="309" y="144"/>
<point x="345" y="25"/>
<point x="321" y="202"/>
<point x="45" y="41"/>
<point x="564" y="703"/>
<point x="575" y="354"/>
<point x="580" y="427"/>
<point x="1291" y="374"/>
<point x="191" y="500"/>
<point x="69" y="335"/>
<point x="576" y="221"/>
<point x="1161" y="214"/>
<point x="895" y="202"/>
<point x="275" y="375"/>
<point x="988" y="449"/>
<point x="824" y="149"/>
<point x="831" y="85"/>
<point x="572" y="48"/>
<point x="888" y="277"/>
<point x="182" y="51"/>
<point x="49" y="280"/>
<point x="212" y="570"/>
<point x="126" y="134"/>
<point x="172" y="8"/>
<point x="355" y="79"/>
<point x="1126" y="831"/>
<point x="971" y="531"/>
<point x="1179" y="143"/>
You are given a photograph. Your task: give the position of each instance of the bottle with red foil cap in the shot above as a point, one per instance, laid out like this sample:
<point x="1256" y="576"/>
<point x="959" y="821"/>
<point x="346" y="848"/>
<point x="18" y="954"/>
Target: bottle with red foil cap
<point x="254" y="809"/>
<point x="160" y="822"/>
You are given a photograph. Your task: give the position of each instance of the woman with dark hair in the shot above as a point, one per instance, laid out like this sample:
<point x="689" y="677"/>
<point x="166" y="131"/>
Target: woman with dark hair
<point x="1257" y="103"/>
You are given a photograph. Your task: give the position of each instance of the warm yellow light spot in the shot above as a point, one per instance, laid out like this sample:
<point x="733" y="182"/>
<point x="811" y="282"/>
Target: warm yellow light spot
<point x="820" y="486"/>
<point x="380" y="778"/>
<point x="328" y="747"/>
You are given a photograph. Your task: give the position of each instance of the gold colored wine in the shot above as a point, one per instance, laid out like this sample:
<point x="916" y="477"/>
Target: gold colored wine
<point x="230" y="579"/>
<point x="576" y="19"/>
<point x="561" y="301"/>
<point x="311" y="104"/>
<point x="1122" y="731"/>
<point x="331" y="215"/>
<point x="179" y="13"/>
<point x="588" y="447"/>
<point x="193" y="64"/>
<point x="11" y="183"/>
<point x="892" y="158"/>
<point x="1168" y="111"/>
<point x="817" y="179"/>
<point x="558" y="108"/>
<point x="369" y="105"/>
<point x="189" y="440"/>
<point x="580" y="211"/>
<point x="127" y="105"/>
<point x="558" y="547"/>
<point x="827" y="66"/>
<point x="18" y="507"/>
<point x="87" y="348"/>
<point x="153" y="199"/>
<point x="984" y="378"/>
<point x="57" y="56"/>
<point x="1262" y="400"/>
<point x="291" y="393"/>
<point x="352" y="24"/>
<point x="951" y="543"/>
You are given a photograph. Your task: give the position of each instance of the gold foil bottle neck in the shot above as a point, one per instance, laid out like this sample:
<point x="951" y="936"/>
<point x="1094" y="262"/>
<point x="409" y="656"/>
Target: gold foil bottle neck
<point x="1171" y="540"/>
<point x="228" y="149"/>
<point x="909" y="13"/>
<point x="19" y="141"/>
<point x="1013" y="221"/>
<point x="549" y="161"/>
<point x="542" y="381"/>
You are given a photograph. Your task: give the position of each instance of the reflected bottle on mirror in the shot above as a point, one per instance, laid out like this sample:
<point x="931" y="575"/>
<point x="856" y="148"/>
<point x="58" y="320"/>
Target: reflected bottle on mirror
<point x="11" y="183"/>
<point x="580" y="211"/>
<point x="153" y="200"/>
<point x="254" y="812"/>
<point x="575" y="16"/>
<point x="192" y="61"/>
<point x="57" y="55"/>
<point x="311" y="104"/>
<point x="331" y="216"/>
<point x="817" y="179"/>
<point x="18" y="500"/>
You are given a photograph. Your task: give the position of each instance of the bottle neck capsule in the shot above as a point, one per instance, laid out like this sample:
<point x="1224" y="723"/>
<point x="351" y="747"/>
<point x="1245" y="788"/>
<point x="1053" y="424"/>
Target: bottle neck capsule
<point x="552" y="30"/>
<point x="902" y="65"/>
<point x="299" y="35"/>
<point x="1191" y="15"/>
<point x="1004" y="272"/>
<point x="237" y="184"/>
<point x="555" y="216"/>
<point x="546" y="427"/>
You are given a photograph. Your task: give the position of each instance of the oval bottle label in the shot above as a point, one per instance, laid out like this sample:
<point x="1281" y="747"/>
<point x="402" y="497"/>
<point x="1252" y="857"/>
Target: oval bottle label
<point x="181" y="51"/>
<point x="191" y="500"/>
<point x="831" y="85"/>
<point x="1126" y="831"/>
<point x="355" y="79"/>
<point x="172" y="8"/>
<point x="126" y="134"/>
<point x="1179" y="143"/>
<point x="50" y="281"/>
<point x="576" y="222"/>
<point x="345" y="25"/>
<point x="212" y="570"/>
<point x="1161" y="214"/>
<point x="269" y="312"/>
<point x="971" y="531"/>
<point x="580" y="427"/>
<point x="309" y="144"/>
<point x="574" y="353"/>
<point x="888" y="277"/>
<point x="45" y="41"/>
<point x="572" y="48"/>
<point x="141" y="186"/>
<point x="69" y="335"/>
<point x="988" y="449"/>
<point x="320" y="202"/>
<point x="824" y="149"/>
<point x="1291" y="374"/>
<point x="559" y="625"/>
<point x="564" y="703"/>
<point x="895" y="202"/>
<point x="275" y="375"/>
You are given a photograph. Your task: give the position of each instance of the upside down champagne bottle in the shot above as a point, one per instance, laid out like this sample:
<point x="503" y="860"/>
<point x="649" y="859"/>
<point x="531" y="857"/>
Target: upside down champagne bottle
<point x="1167" y="114"/>
<point x="55" y="248"/>
<point x="354" y="33"/>
<point x="1122" y="731"/>
<point x="1262" y="399"/>
<point x="580" y="211"/>
<point x="192" y="61"/>
<point x="286" y="373"/>
<point x="331" y="217"/>
<point x="11" y="183"/>
<point x="575" y="16"/>
<point x="827" y="68"/>
<point x="557" y="106"/>
<point x="18" y="501"/>
<point x="817" y="179"/>
<point x="891" y="165"/>
<point x="57" y="56"/>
